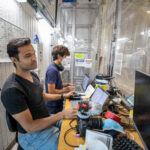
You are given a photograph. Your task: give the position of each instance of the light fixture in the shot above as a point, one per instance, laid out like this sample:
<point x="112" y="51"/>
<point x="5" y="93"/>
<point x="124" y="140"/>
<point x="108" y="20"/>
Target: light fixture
<point x="148" y="12"/>
<point x="39" y="16"/>
<point x="21" y="1"/>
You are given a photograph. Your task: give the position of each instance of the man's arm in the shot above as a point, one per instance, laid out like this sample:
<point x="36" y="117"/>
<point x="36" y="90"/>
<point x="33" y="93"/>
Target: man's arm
<point x="50" y="97"/>
<point x="65" y="84"/>
<point x="30" y="125"/>
<point x="68" y="84"/>
<point x="52" y="89"/>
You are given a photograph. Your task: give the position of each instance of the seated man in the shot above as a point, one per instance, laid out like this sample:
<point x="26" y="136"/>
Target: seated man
<point x="53" y="81"/>
<point x="23" y="98"/>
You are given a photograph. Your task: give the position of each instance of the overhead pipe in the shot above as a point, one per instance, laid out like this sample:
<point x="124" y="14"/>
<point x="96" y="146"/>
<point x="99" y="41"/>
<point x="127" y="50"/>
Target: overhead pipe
<point x="46" y="10"/>
<point x="113" y="47"/>
<point x="56" y="8"/>
<point x="39" y="7"/>
<point x="115" y="36"/>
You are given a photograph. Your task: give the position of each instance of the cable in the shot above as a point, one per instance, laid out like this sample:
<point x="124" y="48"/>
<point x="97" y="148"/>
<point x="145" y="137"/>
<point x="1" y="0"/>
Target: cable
<point x="71" y="122"/>
<point x="66" y="140"/>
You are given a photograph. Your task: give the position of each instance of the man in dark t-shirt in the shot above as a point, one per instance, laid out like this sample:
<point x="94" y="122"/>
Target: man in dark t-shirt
<point x="23" y="97"/>
<point x="53" y="82"/>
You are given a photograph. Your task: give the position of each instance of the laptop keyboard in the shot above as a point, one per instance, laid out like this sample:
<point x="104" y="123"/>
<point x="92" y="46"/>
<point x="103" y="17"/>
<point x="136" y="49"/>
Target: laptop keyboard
<point x="78" y="88"/>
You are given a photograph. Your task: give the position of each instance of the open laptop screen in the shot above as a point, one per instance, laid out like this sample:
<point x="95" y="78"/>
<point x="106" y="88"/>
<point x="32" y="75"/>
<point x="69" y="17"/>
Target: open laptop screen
<point x="85" y="82"/>
<point x="89" y="91"/>
<point x="99" y="96"/>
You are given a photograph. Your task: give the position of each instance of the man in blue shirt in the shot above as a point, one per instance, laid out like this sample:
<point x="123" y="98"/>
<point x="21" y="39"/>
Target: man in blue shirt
<point x="53" y="82"/>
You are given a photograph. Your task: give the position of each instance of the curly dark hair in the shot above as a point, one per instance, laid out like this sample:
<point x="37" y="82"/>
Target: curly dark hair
<point x="61" y="50"/>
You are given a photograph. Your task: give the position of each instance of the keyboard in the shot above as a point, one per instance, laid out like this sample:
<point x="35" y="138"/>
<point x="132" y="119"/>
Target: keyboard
<point x="75" y="98"/>
<point x="124" y="143"/>
<point x="78" y="89"/>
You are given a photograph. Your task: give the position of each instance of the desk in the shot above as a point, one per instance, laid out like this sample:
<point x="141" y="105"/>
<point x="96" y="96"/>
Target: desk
<point x="73" y="140"/>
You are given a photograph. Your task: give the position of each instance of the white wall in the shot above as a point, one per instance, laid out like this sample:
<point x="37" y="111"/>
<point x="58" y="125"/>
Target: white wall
<point x="21" y="15"/>
<point x="45" y="38"/>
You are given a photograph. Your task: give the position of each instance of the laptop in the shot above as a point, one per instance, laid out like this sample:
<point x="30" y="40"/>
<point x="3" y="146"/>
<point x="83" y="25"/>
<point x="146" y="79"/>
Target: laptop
<point x="83" y="86"/>
<point x="88" y="93"/>
<point x="99" y="96"/>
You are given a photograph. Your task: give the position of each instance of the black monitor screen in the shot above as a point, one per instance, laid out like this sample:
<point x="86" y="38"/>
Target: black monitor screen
<point x="142" y="107"/>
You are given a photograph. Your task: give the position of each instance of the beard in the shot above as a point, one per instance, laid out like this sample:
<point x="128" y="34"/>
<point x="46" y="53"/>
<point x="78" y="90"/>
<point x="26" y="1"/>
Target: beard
<point x="28" y="67"/>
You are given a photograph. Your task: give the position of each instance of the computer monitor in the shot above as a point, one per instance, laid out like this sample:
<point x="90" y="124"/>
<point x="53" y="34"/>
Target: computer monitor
<point x="85" y="82"/>
<point x="141" y="111"/>
<point x="99" y="96"/>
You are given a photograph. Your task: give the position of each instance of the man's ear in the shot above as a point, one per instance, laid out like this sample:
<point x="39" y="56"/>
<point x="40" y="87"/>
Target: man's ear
<point x="13" y="59"/>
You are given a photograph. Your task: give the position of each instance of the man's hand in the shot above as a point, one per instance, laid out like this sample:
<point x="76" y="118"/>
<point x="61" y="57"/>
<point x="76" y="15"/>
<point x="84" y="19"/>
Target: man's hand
<point x="67" y="95"/>
<point x="71" y="84"/>
<point x="70" y="113"/>
<point x="69" y="88"/>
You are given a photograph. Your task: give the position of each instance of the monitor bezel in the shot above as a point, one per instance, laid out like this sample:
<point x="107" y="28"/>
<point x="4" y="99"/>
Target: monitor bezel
<point x="145" y="146"/>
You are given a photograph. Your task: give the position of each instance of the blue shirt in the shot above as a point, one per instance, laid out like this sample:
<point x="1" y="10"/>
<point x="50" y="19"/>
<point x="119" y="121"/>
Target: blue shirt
<point x="53" y="76"/>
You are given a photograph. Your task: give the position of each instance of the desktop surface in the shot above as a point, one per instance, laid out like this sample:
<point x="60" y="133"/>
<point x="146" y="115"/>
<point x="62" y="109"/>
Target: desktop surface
<point x="72" y="139"/>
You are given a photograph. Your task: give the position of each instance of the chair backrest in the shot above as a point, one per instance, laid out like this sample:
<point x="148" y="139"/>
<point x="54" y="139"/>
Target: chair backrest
<point x="11" y="123"/>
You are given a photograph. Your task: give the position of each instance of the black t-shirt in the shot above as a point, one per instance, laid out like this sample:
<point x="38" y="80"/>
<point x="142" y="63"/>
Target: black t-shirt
<point x="19" y="94"/>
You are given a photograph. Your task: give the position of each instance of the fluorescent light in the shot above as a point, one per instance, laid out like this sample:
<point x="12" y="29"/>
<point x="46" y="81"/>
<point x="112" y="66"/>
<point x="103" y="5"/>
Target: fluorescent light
<point x="148" y="12"/>
<point x="22" y="1"/>
<point x="142" y="33"/>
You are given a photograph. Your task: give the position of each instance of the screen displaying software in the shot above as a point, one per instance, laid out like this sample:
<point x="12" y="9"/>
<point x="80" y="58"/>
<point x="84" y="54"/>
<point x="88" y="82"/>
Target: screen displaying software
<point x="99" y="96"/>
<point x="85" y="82"/>
<point x="89" y="91"/>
